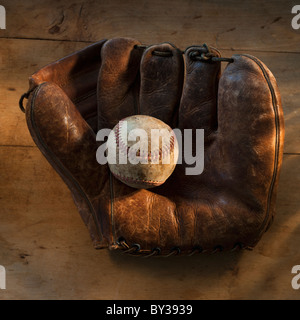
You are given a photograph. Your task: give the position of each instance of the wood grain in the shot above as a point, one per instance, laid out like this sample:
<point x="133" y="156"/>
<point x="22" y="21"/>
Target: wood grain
<point x="225" y="24"/>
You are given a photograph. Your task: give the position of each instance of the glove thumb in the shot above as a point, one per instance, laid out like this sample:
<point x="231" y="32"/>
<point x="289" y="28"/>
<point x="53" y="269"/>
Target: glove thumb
<point x="69" y="144"/>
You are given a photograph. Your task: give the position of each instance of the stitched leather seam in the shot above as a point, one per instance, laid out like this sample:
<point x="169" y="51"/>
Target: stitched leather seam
<point x="277" y="139"/>
<point x="62" y="168"/>
<point x="137" y="248"/>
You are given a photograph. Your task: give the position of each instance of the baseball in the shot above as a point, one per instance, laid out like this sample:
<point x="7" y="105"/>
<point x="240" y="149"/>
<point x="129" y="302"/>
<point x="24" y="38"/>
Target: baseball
<point x="142" y="151"/>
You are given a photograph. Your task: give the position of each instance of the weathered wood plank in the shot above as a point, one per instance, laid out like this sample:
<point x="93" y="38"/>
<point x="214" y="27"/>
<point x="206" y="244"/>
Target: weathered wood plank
<point x="20" y="58"/>
<point x="225" y="24"/>
<point x="47" y="252"/>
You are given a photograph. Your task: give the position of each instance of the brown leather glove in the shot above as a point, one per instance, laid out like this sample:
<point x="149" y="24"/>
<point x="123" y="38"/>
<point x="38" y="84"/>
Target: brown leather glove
<point x="230" y="205"/>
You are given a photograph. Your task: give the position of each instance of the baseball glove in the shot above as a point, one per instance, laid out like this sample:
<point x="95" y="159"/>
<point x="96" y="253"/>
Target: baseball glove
<point x="229" y="206"/>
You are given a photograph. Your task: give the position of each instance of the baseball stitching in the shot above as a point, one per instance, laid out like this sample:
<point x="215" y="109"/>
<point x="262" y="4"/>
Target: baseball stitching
<point x="160" y="153"/>
<point x="129" y="179"/>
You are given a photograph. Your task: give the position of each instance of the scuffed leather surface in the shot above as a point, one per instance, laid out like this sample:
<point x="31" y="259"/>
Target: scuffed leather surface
<point x="232" y="202"/>
<point x="68" y="73"/>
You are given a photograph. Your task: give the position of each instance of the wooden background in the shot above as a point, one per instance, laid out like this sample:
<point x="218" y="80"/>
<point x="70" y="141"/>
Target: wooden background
<point x="45" y="246"/>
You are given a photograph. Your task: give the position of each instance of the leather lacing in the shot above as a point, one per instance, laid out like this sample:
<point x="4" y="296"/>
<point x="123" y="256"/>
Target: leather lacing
<point x="135" y="248"/>
<point x="25" y="96"/>
<point x="203" y="53"/>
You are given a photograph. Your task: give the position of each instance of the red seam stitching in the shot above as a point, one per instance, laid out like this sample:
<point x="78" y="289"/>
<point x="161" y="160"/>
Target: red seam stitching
<point x="158" y="154"/>
<point x="129" y="179"/>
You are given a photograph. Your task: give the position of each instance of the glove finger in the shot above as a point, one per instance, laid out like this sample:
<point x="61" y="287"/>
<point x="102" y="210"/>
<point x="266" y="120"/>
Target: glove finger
<point x="161" y="82"/>
<point x="249" y="103"/>
<point x="251" y="130"/>
<point x="198" y="106"/>
<point x="118" y="81"/>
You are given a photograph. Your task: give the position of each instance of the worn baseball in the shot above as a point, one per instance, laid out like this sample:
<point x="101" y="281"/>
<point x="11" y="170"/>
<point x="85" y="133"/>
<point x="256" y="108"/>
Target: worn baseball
<point x="143" y="151"/>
